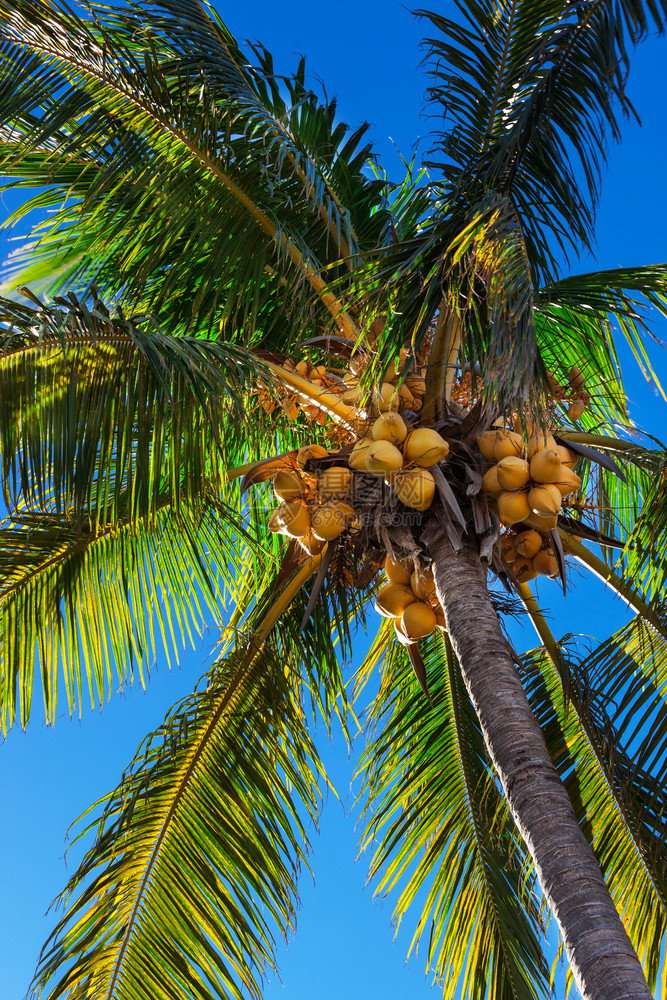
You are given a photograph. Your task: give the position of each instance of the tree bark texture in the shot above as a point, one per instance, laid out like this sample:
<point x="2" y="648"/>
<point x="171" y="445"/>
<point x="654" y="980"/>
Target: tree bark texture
<point x="603" y="961"/>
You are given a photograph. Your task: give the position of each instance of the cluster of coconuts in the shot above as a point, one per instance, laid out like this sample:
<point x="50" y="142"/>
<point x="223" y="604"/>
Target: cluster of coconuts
<point x="406" y="396"/>
<point x="314" y="508"/>
<point x="410" y="599"/>
<point x="402" y="456"/>
<point x="529" y="554"/>
<point x="318" y="375"/>
<point x="579" y="398"/>
<point x="529" y="480"/>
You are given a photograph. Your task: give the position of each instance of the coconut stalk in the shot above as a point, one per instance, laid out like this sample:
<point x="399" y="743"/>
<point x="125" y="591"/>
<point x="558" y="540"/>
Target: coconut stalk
<point x="603" y="961"/>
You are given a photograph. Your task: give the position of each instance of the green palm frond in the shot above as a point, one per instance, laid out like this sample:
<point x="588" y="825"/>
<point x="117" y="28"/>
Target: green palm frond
<point x="442" y="835"/>
<point x="197" y="852"/>
<point x="530" y="91"/>
<point x="609" y="758"/>
<point x="196" y="168"/>
<point x="108" y="414"/>
<point x="84" y="604"/>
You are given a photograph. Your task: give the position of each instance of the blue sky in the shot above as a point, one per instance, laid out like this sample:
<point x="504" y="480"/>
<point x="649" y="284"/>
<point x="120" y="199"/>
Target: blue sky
<point x="367" y="54"/>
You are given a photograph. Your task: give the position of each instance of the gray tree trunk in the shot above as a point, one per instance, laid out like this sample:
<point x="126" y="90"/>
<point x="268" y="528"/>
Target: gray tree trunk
<point x="602" y="959"/>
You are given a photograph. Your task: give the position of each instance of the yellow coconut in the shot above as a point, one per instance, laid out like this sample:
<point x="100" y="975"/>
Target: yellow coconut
<point x="309" y="451"/>
<point x="576" y="409"/>
<point x="546" y="563"/>
<point x="507" y="444"/>
<point x="287" y="485"/>
<point x="545" y="500"/>
<point x="415" y="488"/>
<point x="311" y="544"/>
<point x="539" y="440"/>
<point x="386" y="397"/>
<point x="294" y="515"/>
<point x="416" y="384"/>
<point x="353" y="396"/>
<point x="541" y="523"/>
<point x="425" y="447"/>
<point x="423" y="584"/>
<point x="509" y="549"/>
<point x="275" y="522"/>
<point x="418" y="620"/>
<point x="405" y="397"/>
<point x="567" y="457"/>
<point x="528" y="543"/>
<point x="393" y="599"/>
<point x="490" y="482"/>
<point x="356" y="366"/>
<point x="302" y="368"/>
<point x="398" y="571"/>
<point x="575" y="378"/>
<point x="390" y="427"/>
<point x="486" y="442"/>
<point x="330" y="519"/>
<point x="545" y="466"/>
<point x="524" y="570"/>
<point x="383" y="458"/>
<point x="568" y="482"/>
<point x="513" y="507"/>
<point x="400" y="634"/>
<point x="513" y="473"/>
<point x="357" y="457"/>
<point x="335" y="482"/>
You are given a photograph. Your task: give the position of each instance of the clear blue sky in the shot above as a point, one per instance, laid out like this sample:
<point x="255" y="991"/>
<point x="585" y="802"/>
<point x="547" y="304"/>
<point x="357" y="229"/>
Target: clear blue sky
<point x="366" y="53"/>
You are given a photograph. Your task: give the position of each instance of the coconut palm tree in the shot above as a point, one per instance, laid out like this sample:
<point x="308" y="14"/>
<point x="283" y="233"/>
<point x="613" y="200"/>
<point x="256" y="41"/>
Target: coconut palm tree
<point x="230" y="293"/>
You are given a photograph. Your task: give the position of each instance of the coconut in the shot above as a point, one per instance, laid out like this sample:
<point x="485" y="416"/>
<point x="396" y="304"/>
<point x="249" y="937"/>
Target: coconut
<point x="302" y="368"/>
<point x="440" y="620"/>
<point x="538" y="440"/>
<point x="418" y="620"/>
<point x="393" y="599"/>
<point x="545" y="500"/>
<point x="567" y="457"/>
<point x="390" y="427"/>
<point x="568" y="482"/>
<point x="425" y="447"/>
<point x="423" y="584"/>
<point x="513" y="473"/>
<point x="383" y="458"/>
<point x="541" y="523"/>
<point x="294" y="516"/>
<point x="513" y="507"/>
<point x="576" y="409"/>
<point x="507" y="444"/>
<point x="353" y="396"/>
<point x="509" y="549"/>
<point x="311" y="544"/>
<point x="545" y="466"/>
<point x="386" y="397"/>
<point x="415" y="488"/>
<point x="398" y="571"/>
<point x="400" y="634"/>
<point x="405" y="397"/>
<point x="310" y="451"/>
<point x="575" y="378"/>
<point x="287" y="485"/>
<point x="331" y="519"/>
<point x="416" y="384"/>
<point x="528" y="543"/>
<point x="357" y="457"/>
<point x="486" y="443"/>
<point x="490" y="482"/>
<point x="335" y="482"/>
<point x="524" y="570"/>
<point x="356" y="366"/>
<point x="546" y="563"/>
<point x="275" y="522"/>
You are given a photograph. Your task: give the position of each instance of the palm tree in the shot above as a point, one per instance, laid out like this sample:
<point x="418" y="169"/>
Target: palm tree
<point x="238" y="295"/>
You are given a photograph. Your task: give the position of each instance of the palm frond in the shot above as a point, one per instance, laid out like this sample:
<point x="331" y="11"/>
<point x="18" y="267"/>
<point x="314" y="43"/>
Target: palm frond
<point x="610" y="764"/>
<point x="197" y="852"/>
<point x="442" y="835"/>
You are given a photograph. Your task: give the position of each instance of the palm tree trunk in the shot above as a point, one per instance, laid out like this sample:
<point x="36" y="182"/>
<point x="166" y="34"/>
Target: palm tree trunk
<point x="602" y="959"/>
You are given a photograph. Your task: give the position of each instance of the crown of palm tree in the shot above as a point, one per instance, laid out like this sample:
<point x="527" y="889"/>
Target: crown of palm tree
<point x="230" y="280"/>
